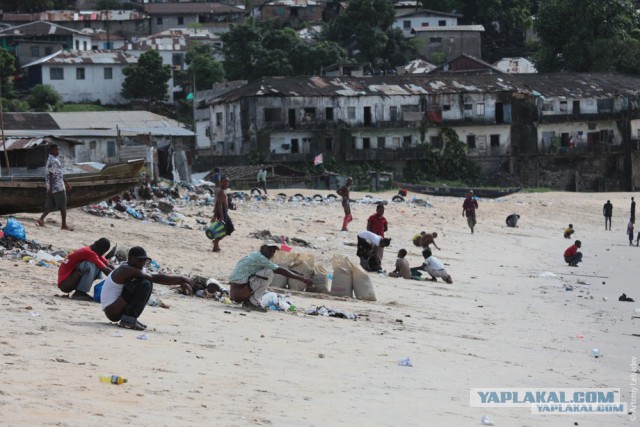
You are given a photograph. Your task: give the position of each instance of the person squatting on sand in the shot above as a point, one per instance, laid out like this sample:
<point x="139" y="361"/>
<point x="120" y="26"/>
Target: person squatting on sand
<point x="57" y="188"/>
<point x="80" y="268"/>
<point x="469" y="207"/>
<point x="572" y="256"/>
<point x="368" y="244"/>
<point x="425" y="239"/>
<point x="344" y="193"/>
<point x="512" y="220"/>
<point x="253" y="274"/>
<point x="377" y="224"/>
<point x="434" y="267"/>
<point x="221" y="212"/>
<point x="568" y="232"/>
<point x="402" y="266"/>
<point x="127" y="289"/>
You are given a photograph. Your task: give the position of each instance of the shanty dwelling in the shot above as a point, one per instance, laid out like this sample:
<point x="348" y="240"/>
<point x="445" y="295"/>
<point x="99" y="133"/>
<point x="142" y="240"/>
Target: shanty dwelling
<point x="504" y="120"/>
<point x="424" y="18"/>
<point x="83" y="76"/>
<point x="32" y="41"/>
<point x="122" y="23"/>
<point x="28" y="155"/>
<point x="292" y="12"/>
<point x="114" y="136"/>
<point x="517" y="65"/>
<point x="215" y="17"/>
<point x="449" y="42"/>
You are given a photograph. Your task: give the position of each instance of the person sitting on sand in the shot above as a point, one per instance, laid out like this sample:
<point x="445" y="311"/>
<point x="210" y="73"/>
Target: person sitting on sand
<point x="253" y="274"/>
<point x="127" y="289"/>
<point x="434" y="267"/>
<point x="512" y="220"/>
<point x="569" y="231"/>
<point x="425" y="239"/>
<point x="402" y="266"/>
<point x="572" y="256"/>
<point x="81" y="267"/>
<point x="367" y="251"/>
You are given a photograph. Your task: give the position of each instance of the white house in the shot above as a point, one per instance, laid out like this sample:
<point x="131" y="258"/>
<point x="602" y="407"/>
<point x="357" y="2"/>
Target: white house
<point x="424" y="18"/>
<point x="515" y="65"/>
<point x="83" y="76"/>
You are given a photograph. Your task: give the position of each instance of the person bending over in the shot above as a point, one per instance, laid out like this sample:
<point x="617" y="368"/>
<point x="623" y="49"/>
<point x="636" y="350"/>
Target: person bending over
<point x="434" y="267"/>
<point x="572" y="256"/>
<point x="82" y="267"/>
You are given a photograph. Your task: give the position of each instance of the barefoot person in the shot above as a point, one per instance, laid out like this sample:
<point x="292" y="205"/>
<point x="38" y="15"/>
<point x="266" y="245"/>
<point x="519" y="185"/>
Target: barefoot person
<point x="344" y="193"/>
<point x="367" y="250"/>
<point x="469" y="207"/>
<point x="425" y="239"/>
<point x="221" y="212"/>
<point x="402" y="266"/>
<point x="434" y="267"/>
<point x="82" y="267"/>
<point x="377" y="224"/>
<point x="127" y="289"/>
<point x="572" y="256"/>
<point x="57" y="188"/>
<point x="253" y="274"/>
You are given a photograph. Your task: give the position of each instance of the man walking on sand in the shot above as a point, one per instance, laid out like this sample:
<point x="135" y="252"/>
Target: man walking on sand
<point x="469" y="207"/>
<point x="344" y="193"/>
<point x="221" y="212"/>
<point x="633" y="211"/>
<point x="607" y="211"/>
<point x="57" y="188"/>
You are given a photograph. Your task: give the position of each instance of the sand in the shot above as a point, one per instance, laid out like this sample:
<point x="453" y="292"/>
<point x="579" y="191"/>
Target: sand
<point x="500" y="324"/>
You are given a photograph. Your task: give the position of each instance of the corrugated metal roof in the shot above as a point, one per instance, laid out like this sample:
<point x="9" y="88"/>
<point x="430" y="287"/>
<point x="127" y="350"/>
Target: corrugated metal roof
<point x="39" y="28"/>
<point x="177" y="39"/>
<point x="112" y="119"/>
<point x="292" y="3"/>
<point x="70" y="16"/>
<point x="417" y="66"/>
<point x="28" y="143"/>
<point x="190" y="8"/>
<point x="69" y="57"/>
<point x="582" y="85"/>
<point x="28" y="121"/>
<point x="448" y="28"/>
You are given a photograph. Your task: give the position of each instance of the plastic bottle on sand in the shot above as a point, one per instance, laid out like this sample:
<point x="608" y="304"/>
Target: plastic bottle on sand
<point x="113" y="379"/>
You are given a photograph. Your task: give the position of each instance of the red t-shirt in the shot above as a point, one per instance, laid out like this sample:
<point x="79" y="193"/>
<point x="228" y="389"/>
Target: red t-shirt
<point x="470" y="205"/>
<point x="571" y="251"/>
<point x="377" y="224"/>
<point x="76" y="257"/>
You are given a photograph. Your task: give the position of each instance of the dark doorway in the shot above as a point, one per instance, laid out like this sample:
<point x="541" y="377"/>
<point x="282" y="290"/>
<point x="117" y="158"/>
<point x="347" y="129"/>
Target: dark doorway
<point x="367" y="116"/>
<point x="328" y="112"/>
<point x="499" y="112"/>
<point x="295" y="147"/>
<point x="292" y="118"/>
<point x="576" y="107"/>
<point x="366" y="143"/>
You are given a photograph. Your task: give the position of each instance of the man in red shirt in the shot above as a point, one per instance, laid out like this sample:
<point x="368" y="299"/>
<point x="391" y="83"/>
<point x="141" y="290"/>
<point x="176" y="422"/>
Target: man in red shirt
<point x="81" y="267"/>
<point x="469" y="207"/>
<point x="377" y="224"/>
<point x="572" y="256"/>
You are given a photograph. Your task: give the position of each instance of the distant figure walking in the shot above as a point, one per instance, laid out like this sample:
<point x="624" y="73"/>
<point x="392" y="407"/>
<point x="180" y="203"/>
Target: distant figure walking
<point x="57" y="188"/>
<point x="630" y="232"/>
<point x="262" y="179"/>
<point x="572" y="256"/>
<point x="633" y="211"/>
<point x="607" y="211"/>
<point x="221" y="212"/>
<point x="469" y="207"/>
<point x="344" y="193"/>
<point x="512" y="220"/>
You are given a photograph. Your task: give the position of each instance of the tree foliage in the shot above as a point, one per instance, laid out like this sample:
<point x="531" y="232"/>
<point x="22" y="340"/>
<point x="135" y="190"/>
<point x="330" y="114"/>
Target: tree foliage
<point x="253" y="50"/>
<point x="204" y="69"/>
<point x="365" y="31"/>
<point x="587" y="35"/>
<point x="109" y="5"/>
<point x="44" y="98"/>
<point x="147" y="79"/>
<point x="31" y="6"/>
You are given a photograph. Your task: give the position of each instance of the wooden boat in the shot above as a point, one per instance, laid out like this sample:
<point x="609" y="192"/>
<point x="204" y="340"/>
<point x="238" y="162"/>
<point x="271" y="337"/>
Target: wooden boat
<point x="489" y="193"/>
<point x="26" y="194"/>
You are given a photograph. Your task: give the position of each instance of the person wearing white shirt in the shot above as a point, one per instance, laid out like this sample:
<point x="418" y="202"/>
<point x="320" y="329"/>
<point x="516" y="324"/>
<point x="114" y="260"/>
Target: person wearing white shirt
<point x="434" y="267"/>
<point x="368" y="244"/>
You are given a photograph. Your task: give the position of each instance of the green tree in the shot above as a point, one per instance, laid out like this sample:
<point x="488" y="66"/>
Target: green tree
<point x="204" y="69"/>
<point x="44" y="98"/>
<point x="365" y="31"/>
<point x="15" y="105"/>
<point x="147" y="79"/>
<point x="31" y="6"/>
<point x="109" y="5"/>
<point x="454" y="163"/>
<point x="7" y="70"/>
<point x="586" y="35"/>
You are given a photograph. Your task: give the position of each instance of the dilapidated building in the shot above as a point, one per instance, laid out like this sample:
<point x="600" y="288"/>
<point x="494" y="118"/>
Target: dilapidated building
<point x="508" y="122"/>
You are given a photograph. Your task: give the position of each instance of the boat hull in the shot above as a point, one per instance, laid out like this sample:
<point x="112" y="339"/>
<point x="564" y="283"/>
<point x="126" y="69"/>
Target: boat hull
<point x="27" y="194"/>
<point x="487" y="193"/>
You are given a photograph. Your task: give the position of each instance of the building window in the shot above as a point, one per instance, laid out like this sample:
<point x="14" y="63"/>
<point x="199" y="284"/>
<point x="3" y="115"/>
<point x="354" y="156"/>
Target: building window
<point x="435" y="141"/>
<point x="111" y="148"/>
<point x="495" y="140"/>
<point x="393" y="113"/>
<point x="563" y="107"/>
<point x="446" y="107"/>
<point x="328" y="144"/>
<point x="219" y="119"/>
<point x="471" y="141"/>
<point x="79" y="73"/>
<point x="35" y="51"/>
<point x="158" y="21"/>
<point x="176" y="59"/>
<point x="468" y="107"/>
<point x="351" y="113"/>
<point x="84" y="46"/>
<point x="406" y="24"/>
<point x="425" y="24"/>
<point x="442" y="23"/>
<point x="272" y="115"/>
<point x="48" y="50"/>
<point x="86" y="24"/>
<point x="605" y="105"/>
<point x="381" y="141"/>
<point x="180" y="20"/>
<point x="435" y="40"/>
<point x="480" y="109"/>
<point x="328" y="114"/>
<point x="309" y="114"/>
<point x="92" y="145"/>
<point x="406" y="141"/>
<point x="56" y="73"/>
<point x="108" y="73"/>
<point x="547" y="106"/>
<point x="353" y="142"/>
<point x="77" y="44"/>
<point x="366" y="143"/>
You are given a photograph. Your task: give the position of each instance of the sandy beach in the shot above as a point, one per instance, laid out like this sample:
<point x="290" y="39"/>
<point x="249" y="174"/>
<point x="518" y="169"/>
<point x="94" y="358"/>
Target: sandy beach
<point x="505" y="322"/>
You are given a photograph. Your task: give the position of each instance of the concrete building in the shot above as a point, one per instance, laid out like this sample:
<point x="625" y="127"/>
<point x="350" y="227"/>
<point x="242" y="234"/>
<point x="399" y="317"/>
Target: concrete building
<point x="215" y="17"/>
<point x="441" y="44"/>
<point x="424" y="18"/>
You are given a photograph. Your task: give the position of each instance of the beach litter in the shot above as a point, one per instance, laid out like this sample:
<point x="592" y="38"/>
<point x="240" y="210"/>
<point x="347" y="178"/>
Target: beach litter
<point x="405" y="362"/>
<point x="625" y="298"/>
<point x="331" y="312"/>
<point x="143" y="337"/>
<point x="486" y="421"/>
<point x="595" y="352"/>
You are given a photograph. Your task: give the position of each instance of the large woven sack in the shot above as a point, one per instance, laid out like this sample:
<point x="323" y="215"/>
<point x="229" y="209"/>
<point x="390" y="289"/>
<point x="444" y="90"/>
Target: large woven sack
<point x="362" y="286"/>
<point x="283" y="259"/>
<point x="303" y="264"/>
<point x="320" y="279"/>
<point x="341" y="284"/>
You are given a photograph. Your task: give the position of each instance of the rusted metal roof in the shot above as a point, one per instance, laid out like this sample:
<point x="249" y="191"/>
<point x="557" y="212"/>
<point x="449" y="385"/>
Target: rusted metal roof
<point x="580" y="85"/>
<point x="190" y="8"/>
<point x="39" y="28"/>
<point x="292" y="3"/>
<point x="448" y="28"/>
<point x="71" y="57"/>
<point x="70" y="16"/>
<point x="28" y="143"/>
<point x="28" y="121"/>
